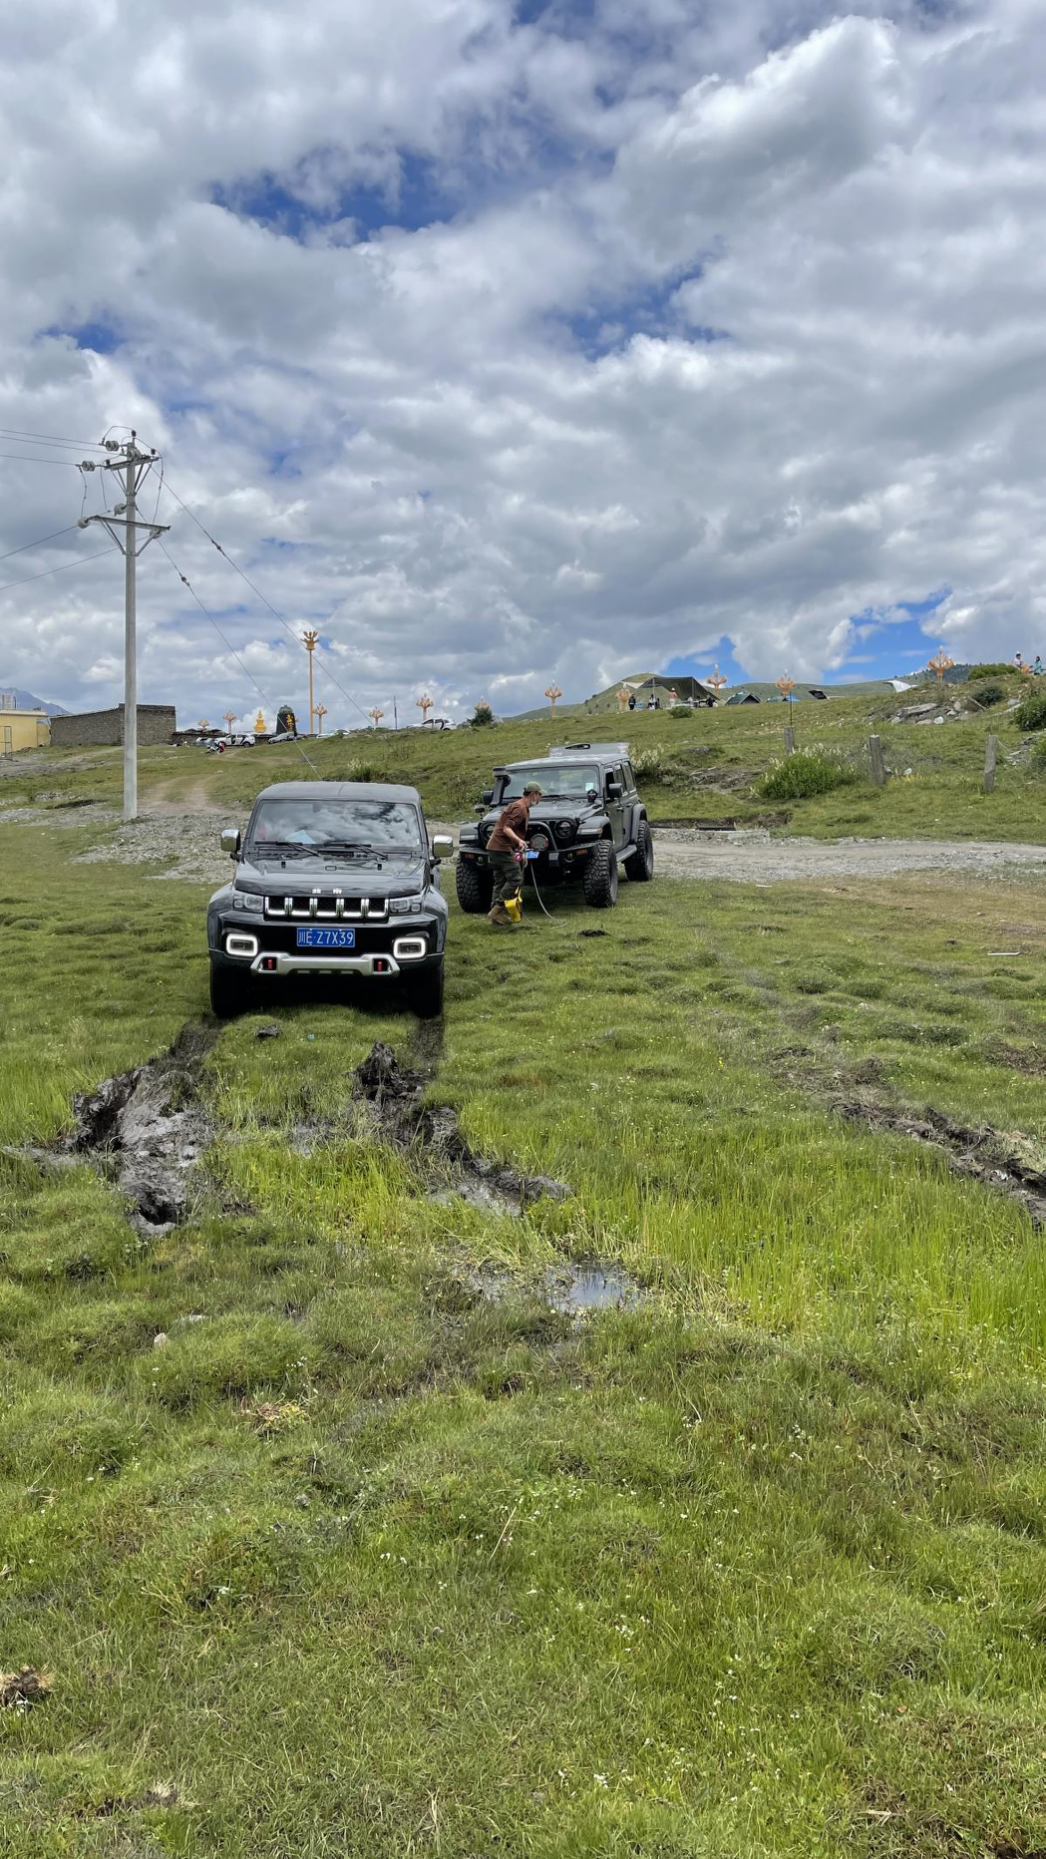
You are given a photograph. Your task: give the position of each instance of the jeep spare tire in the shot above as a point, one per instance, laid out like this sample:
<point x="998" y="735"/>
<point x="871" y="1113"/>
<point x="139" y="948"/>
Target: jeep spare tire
<point x="475" y="887"/>
<point x="640" y="867"/>
<point x="600" y="881"/>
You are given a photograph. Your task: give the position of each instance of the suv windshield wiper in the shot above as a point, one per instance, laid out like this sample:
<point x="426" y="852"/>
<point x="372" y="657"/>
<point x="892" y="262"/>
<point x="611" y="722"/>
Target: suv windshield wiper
<point x="264" y="848"/>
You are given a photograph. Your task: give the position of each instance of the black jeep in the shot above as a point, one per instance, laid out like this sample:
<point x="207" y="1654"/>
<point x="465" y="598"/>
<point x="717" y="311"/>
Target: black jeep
<point x="589" y="819"/>
<point x="332" y="878"/>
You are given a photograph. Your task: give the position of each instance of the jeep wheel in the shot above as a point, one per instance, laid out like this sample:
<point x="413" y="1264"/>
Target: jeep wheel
<point x="640" y="867"/>
<point x="230" y="992"/>
<point x="475" y="887"/>
<point x="600" y="883"/>
<point x="425" y="992"/>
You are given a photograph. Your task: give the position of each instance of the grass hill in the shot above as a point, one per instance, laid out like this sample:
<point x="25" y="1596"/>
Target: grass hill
<point x="651" y="683"/>
<point x="706" y="766"/>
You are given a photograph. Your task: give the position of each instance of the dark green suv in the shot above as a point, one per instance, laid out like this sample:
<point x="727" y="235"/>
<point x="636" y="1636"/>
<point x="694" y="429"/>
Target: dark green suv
<point x="588" y="822"/>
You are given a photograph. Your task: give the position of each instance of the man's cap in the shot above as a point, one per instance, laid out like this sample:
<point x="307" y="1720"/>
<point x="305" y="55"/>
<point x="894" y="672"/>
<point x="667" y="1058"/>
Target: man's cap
<point x="533" y="788"/>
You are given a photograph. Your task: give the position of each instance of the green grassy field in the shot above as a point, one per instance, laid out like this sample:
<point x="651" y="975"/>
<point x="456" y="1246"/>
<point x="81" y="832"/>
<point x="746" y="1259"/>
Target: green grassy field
<point x="368" y="1562"/>
<point x="701" y="767"/>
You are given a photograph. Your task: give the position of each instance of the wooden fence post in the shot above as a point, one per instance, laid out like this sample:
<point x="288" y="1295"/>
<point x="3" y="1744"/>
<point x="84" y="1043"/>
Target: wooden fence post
<point x="990" y="748"/>
<point x="789" y="741"/>
<point x="875" y="751"/>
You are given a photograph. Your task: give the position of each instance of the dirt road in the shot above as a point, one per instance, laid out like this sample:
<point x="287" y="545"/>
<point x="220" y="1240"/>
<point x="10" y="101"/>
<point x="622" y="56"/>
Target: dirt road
<point x="758" y="859"/>
<point x="185" y="841"/>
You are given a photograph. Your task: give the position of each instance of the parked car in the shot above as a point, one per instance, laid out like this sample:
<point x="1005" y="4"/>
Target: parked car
<point x="589" y="820"/>
<point x="332" y="878"/>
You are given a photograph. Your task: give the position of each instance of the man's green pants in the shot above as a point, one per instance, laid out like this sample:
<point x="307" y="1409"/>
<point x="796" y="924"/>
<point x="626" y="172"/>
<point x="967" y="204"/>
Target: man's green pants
<point x="508" y="876"/>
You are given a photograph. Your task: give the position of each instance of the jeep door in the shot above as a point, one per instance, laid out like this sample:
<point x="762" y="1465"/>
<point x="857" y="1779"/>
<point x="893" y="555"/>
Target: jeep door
<point x="616" y="804"/>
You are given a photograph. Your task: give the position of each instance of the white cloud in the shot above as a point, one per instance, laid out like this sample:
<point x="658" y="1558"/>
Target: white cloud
<point x="420" y="307"/>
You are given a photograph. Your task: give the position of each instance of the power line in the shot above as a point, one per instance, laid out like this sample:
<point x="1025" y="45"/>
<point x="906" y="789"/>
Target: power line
<point x="14" y="432"/>
<point x="33" y="458"/>
<point x="78" y="563"/>
<point x="265" y="603"/>
<point x="184" y="579"/>
<point x="40" y="543"/>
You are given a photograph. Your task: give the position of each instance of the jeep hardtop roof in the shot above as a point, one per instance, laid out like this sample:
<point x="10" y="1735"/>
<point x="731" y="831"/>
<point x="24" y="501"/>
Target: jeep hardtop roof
<point x="339" y="790"/>
<point x="580" y="751"/>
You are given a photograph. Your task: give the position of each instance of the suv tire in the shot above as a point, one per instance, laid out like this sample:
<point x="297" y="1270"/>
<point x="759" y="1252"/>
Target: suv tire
<point x="230" y="992"/>
<point x="425" y="992"/>
<point x="474" y="886"/>
<point x="640" y="867"/>
<point x="600" y="881"/>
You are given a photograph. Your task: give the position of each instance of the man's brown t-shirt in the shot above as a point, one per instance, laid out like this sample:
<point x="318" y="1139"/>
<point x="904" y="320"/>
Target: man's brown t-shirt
<point x="516" y="815"/>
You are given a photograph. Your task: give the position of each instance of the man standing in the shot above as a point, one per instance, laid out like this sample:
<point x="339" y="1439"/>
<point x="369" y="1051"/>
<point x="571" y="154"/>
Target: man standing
<point x="507" y="847"/>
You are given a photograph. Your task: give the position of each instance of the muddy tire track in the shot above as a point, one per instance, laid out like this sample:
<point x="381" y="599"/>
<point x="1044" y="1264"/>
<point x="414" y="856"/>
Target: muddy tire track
<point x="983" y="1155"/>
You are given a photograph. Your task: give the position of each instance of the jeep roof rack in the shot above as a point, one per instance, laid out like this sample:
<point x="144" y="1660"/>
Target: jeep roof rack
<point x="591" y="748"/>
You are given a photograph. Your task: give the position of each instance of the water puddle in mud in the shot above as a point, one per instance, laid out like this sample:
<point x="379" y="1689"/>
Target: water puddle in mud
<point x="575" y="1290"/>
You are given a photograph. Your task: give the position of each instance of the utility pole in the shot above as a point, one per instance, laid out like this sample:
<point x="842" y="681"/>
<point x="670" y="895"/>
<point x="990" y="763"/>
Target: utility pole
<point x="132" y="466"/>
<point x="309" y="641"/>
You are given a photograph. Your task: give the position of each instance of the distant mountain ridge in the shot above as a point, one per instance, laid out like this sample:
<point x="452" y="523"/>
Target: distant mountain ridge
<point x="24" y="700"/>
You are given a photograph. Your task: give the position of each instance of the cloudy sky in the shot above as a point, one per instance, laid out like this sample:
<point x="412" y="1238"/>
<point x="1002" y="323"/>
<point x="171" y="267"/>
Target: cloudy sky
<point x="515" y="340"/>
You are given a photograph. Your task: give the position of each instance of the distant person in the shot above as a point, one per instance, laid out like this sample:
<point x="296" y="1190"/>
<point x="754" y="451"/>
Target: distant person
<point x="673" y="698"/>
<point x="1018" y="660"/>
<point x="507" y="847"/>
<point x="1037" y="668"/>
<point x="632" y="701"/>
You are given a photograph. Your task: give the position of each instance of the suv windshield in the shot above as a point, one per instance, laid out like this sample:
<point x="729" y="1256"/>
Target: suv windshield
<point x="381" y="824"/>
<point x="557" y="780"/>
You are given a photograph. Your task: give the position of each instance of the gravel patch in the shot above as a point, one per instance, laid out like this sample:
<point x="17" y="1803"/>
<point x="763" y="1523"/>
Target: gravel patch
<point x="185" y="844"/>
<point x="754" y="858"/>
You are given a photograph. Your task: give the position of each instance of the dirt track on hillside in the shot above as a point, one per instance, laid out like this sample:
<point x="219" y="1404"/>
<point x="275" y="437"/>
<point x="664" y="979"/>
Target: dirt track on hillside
<point x="185" y="843"/>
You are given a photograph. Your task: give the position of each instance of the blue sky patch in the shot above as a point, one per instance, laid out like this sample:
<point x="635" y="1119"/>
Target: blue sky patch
<point x="101" y="337"/>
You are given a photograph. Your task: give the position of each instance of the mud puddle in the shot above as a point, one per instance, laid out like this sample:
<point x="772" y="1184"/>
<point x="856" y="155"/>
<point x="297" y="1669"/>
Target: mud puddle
<point x="146" y="1130"/>
<point x="456" y="1171"/>
<point x="984" y="1155"/>
<point x="575" y="1290"/>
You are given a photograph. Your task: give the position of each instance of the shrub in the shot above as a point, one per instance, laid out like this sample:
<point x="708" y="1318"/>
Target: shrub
<point x="998" y="670"/>
<point x="1031" y="711"/>
<point x="681" y="710"/>
<point x="649" y="764"/>
<point x="807" y="772"/>
<point x="1038" y="759"/>
<point x="484" y="715"/>
<point x="987" y="694"/>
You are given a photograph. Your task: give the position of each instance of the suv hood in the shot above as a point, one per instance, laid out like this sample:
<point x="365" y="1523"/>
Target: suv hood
<point x="549" y="810"/>
<point x="393" y="874"/>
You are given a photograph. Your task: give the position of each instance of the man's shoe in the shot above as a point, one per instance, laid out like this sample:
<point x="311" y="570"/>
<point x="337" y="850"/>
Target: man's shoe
<point x="500" y="916"/>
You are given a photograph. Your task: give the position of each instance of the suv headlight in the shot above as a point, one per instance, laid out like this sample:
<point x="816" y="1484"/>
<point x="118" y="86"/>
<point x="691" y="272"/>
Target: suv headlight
<point x="248" y="900"/>
<point x="564" y="830"/>
<point x="407" y="906"/>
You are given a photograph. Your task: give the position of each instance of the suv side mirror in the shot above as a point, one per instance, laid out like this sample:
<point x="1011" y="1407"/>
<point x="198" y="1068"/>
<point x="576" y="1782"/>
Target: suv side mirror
<point x="442" y="846"/>
<point x="614" y="790"/>
<point x="487" y="796"/>
<point x="231" y="841"/>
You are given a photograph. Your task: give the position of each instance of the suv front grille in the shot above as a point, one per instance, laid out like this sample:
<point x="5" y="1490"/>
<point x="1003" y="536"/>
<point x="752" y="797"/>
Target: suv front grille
<point x="325" y="909"/>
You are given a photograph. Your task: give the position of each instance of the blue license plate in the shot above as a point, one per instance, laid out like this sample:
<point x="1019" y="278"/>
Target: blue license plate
<point x="326" y="939"/>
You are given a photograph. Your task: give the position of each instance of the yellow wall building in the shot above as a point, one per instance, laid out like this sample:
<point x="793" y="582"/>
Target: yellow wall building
<point x="23" y="729"/>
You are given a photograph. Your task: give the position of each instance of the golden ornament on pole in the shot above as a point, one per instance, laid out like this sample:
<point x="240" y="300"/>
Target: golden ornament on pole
<point x="622" y="698"/>
<point x="716" y="683"/>
<point x="230" y="717"/>
<point x="553" y="693"/>
<point x="376" y="715"/>
<point x="203" y="723"/>
<point x="259" y="724"/>
<point x="424" y="704"/>
<point x="940" y="663"/>
<point x="321" y="711"/>
<point x="309" y="641"/>
<point x="786" y="686"/>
